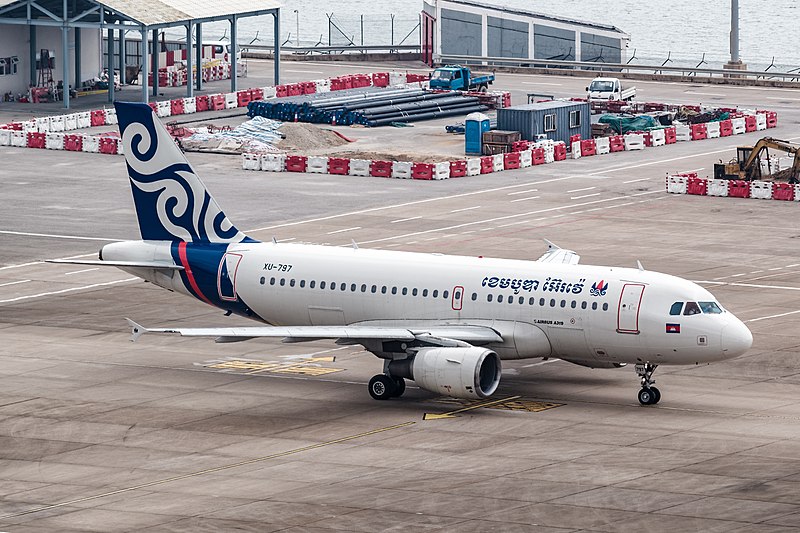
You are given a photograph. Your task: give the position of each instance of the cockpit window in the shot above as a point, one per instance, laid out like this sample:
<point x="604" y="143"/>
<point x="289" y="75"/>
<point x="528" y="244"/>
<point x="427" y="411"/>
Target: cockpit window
<point x="711" y="308"/>
<point x="676" y="308"/>
<point x="691" y="309"/>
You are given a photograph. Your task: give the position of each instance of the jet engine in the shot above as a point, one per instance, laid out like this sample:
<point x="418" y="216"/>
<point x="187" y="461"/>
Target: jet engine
<point x="468" y="373"/>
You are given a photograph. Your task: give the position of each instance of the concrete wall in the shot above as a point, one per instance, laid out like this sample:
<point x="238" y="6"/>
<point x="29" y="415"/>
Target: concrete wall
<point x="15" y="41"/>
<point x="507" y="38"/>
<point x="460" y="33"/>
<point x="553" y="43"/>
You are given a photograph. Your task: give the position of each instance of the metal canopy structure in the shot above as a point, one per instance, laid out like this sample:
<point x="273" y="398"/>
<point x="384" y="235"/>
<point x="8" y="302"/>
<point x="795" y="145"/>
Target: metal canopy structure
<point x="147" y="17"/>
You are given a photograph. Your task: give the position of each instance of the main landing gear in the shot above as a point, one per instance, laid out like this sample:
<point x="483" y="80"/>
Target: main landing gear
<point x="383" y="387"/>
<point x="649" y="395"/>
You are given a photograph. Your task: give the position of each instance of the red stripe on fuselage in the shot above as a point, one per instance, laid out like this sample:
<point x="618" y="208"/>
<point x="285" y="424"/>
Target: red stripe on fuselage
<point x="188" y="271"/>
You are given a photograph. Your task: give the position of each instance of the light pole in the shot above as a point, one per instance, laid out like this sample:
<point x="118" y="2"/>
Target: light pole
<point x="297" y="28"/>
<point x="735" y="63"/>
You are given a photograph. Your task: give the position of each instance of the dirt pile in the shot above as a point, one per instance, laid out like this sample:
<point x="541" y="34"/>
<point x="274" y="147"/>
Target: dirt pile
<point x="303" y="138"/>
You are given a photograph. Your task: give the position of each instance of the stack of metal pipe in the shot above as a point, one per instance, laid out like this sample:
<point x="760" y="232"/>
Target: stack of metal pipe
<point x="371" y="106"/>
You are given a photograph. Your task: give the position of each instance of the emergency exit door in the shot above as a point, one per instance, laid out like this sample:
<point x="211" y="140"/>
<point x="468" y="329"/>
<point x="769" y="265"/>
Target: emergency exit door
<point x="628" y="311"/>
<point x="226" y="276"/>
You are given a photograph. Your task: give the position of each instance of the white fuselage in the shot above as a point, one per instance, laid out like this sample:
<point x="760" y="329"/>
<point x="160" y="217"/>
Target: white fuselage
<point x="583" y="313"/>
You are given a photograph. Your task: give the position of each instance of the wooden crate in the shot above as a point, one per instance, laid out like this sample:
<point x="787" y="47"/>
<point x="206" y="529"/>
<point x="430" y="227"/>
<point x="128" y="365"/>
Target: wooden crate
<point x="496" y="148"/>
<point x="501" y="137"/>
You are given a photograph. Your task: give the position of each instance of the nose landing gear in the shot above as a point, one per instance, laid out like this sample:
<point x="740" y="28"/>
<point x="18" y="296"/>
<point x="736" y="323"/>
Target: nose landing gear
<point x="649" y="395"/>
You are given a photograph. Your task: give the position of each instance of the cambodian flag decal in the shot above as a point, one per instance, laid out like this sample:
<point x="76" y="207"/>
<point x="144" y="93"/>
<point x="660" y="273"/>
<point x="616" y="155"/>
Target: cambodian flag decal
<point x="673" y="328"/>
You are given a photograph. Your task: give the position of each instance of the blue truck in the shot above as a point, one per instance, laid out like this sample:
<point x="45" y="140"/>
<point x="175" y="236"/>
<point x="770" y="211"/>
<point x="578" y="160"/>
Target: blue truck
<point x="458" y="78"/>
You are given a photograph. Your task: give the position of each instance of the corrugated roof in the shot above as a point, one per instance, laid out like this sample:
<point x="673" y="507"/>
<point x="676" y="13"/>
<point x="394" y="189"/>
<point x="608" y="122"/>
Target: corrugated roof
<point x="151" y="12"/>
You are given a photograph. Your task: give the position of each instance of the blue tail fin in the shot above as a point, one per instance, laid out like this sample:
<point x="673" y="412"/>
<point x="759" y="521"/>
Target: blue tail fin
<point x="172" y="204"/>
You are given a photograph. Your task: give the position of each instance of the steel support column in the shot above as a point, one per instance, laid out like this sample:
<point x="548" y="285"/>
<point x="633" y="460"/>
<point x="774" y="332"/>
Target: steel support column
<point x="65" y="64"/>
<point x="234" y="51"/>
<point x="123" y="57"/>
<point x="199" y="57"/>
<point x="189" y="84"/>
<point x="276" y="17"/>
<point x="156" y="50"/>
<point x="78" y="80"/>
<point x="110" y="64"/>
<point x="145" y="48"/>
<point x="32" y="40"/>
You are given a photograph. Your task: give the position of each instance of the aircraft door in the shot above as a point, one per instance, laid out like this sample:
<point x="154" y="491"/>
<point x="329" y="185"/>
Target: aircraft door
<point x="628" y="311"/>
<point x="226" y="276"/>
<point x="458" y="297"/>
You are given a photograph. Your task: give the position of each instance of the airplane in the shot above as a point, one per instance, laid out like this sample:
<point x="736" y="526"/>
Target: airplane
<point x="444" y="321"/>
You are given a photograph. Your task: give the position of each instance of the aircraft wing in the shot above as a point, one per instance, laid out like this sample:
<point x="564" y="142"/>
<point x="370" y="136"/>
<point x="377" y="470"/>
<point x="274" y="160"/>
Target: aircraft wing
<point x="555" y="254"/>
<point x="344" y="334"/>
<point x="120" y="264"/>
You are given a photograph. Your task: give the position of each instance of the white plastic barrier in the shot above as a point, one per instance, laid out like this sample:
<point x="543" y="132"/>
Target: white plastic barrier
<point x="54" y="141"/>
<point x="111" y="115"/>
<point x="576" y="150"/>
<point x="190" y="104"/>
<point x="91" y="143"/>
<point x="498" y="163"/>
<point x="761" y="121"/>
<point x="273" y="162"/>
<point x="29" y="125"/>
<point x="18" y="138"/>
<point x="5" y="137"/>
<point x="71" y="122"/>
<point x="441" y="171"/>
<point x="397" y="78"/>
<point x="658" y="137"/>
<point x="251" y="161"/>
<point x="738" y="126"/>
<point x="84" y="119"/>
<point x="473" y="166"/>
<point x="323" y="86"/>
<point x="120" y="147"/>
<point x="603" y="145"/>
<point x="231" y="100"/>
<point x="797" y="192"/>
<point x="163" y="109"/>
<point x="359" y="167"/>
<point x="401" y="169"/>
<point x="634" y="141"/>
<point x="317" y="165"/>
<point x="269" y="92"/>
<point x="549" y="156"/>
<point x="525" y="159"/>
<point x="42" y="124"/>
<point x="683" y="132"/>
<point x="57" y="123"/>
<point x="676" y="184"/>
<point x="717" y="188"/>
<point x="712" y="130"/>
<point x="761" y="190"/>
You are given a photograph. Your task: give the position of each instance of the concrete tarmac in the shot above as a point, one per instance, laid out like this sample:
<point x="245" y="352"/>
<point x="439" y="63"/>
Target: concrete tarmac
<point x="176" y="434"/>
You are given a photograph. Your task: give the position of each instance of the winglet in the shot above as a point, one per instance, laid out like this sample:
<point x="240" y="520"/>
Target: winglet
<point x="137" y="330"/>
<point x="551" y="245"/>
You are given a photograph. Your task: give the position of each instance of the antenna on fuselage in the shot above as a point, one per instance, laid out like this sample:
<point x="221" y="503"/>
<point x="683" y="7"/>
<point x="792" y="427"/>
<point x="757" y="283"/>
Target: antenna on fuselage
<point x="355" y="246"/>
<point x="274" y="240"/>
<point x="639" y="264"/>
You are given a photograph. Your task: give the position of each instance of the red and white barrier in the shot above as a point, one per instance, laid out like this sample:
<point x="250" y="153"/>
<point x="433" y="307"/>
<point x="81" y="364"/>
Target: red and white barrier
<point x="251" y="162"/>
<point x="717" y="187"/>
<point x="401" y="170"/>
<point x="273" y="162"/>
<point x="359" y="167"/>
<point x="473" y="166"/>
<point x="498" y="163"/>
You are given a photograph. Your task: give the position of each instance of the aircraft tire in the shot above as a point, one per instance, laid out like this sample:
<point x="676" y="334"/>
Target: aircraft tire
<point x="400" y="387"/>
<point x="647" y="396"/>
<point x="657" y="394"/>
<point x="382" y="387"/>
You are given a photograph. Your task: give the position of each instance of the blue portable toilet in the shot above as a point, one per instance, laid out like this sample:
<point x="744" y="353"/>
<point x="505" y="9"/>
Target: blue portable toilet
<point x="474" y="126"/>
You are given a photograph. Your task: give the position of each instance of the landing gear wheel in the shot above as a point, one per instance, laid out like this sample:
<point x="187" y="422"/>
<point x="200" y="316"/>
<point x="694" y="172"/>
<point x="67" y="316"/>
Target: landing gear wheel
<point x="647" y="397"/>
<point x="657" y="394"/>
<point x="400" y="387"/>
<point x="382" y="387"/>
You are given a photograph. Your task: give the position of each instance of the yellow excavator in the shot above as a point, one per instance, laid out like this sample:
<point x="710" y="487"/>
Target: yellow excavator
<point x="747" y="165"/>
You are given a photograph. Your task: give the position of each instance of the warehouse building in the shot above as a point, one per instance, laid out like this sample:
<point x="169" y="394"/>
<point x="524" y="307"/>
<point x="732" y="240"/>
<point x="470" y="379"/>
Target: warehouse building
<point x="59" y="43"/>
<point x="466" y="28"/>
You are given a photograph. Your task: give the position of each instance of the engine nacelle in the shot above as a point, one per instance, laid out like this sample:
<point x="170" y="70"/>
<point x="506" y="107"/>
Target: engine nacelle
<point x="467" y="373"/>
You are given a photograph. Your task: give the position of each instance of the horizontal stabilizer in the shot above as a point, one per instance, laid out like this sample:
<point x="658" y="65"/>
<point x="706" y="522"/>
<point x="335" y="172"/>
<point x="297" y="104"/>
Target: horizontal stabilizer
<point x="119" y="264"/>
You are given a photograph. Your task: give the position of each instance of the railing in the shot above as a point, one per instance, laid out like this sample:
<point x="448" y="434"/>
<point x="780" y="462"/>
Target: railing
<point x="391" y="48"/>
<point x="615" y="67"/>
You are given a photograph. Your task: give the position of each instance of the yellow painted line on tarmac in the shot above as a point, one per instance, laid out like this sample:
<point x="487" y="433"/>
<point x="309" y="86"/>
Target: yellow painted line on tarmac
<point x="451" y="414"/>
<point x="208" y="470"/>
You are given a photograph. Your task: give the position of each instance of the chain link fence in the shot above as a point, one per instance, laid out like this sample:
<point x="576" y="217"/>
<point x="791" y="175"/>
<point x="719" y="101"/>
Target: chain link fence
<point x="372" y="30"/>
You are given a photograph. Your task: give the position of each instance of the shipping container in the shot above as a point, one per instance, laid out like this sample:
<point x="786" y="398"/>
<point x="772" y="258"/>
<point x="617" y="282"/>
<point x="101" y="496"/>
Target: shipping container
<point x="554" y="119"/>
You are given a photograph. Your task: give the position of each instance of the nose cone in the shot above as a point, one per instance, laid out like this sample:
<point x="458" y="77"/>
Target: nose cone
<point x="736" y="339"/>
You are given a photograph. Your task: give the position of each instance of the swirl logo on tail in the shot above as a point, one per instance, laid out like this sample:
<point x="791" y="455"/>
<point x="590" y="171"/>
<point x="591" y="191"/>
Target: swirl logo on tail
<point x="172" y="204"/>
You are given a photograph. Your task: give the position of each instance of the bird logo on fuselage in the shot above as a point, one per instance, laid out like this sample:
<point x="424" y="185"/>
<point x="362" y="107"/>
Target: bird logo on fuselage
<point x="599" y="288"/>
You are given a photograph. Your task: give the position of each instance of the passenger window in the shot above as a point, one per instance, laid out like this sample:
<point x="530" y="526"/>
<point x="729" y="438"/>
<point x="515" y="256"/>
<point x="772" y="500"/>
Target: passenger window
<point x="363" y="287"/>
<point x="404" y="291"/>
<point x="541" y="302"/>
<point x="321" y="284"/>
<point x="302" y="283"/>
<point x="414" y="292"/>
<point x="394" y="290"/>
<point x="383" y="289"/>
<point x="291" y="283"/>
<point x="445" y="294"/>
<point x="352" y="287"/>
<point x="333" y="285"/>
<point x="605" y="307"/>
<point x="691" y="309"/>
<point x="499" y="298"/>
<point x="474" y="296"/>
<point x="594" y="306"/>
<point x="283" y="282"/>
<point x="574" y="304"/>
<point x="272" y="281"/>
<point x="312" y="284"/>
<point x="488" y="297"/>
<point x="435" y="293"/>
<point x="552" y="303"/>
<point x="563" y="303"/>
<point x="583" y="305"/>
<point x="532" y="301"/>
<point x="710" y="308"/>
<point x="521" y="300"/>
<point x="457" y="295"/>
<point x="676" y="308"/>
<point x="425" y="293"/>
<point x="343" y="287"/>
<point x="374" y="289"/>
<point x="263" y="280"/>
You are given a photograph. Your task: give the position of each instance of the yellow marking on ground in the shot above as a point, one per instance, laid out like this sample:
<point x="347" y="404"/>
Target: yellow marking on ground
<point x="478" y="405"/>
<point x="208" y="470"/>
<point x="306" y="367"/>
<point x="521" y="404"/>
